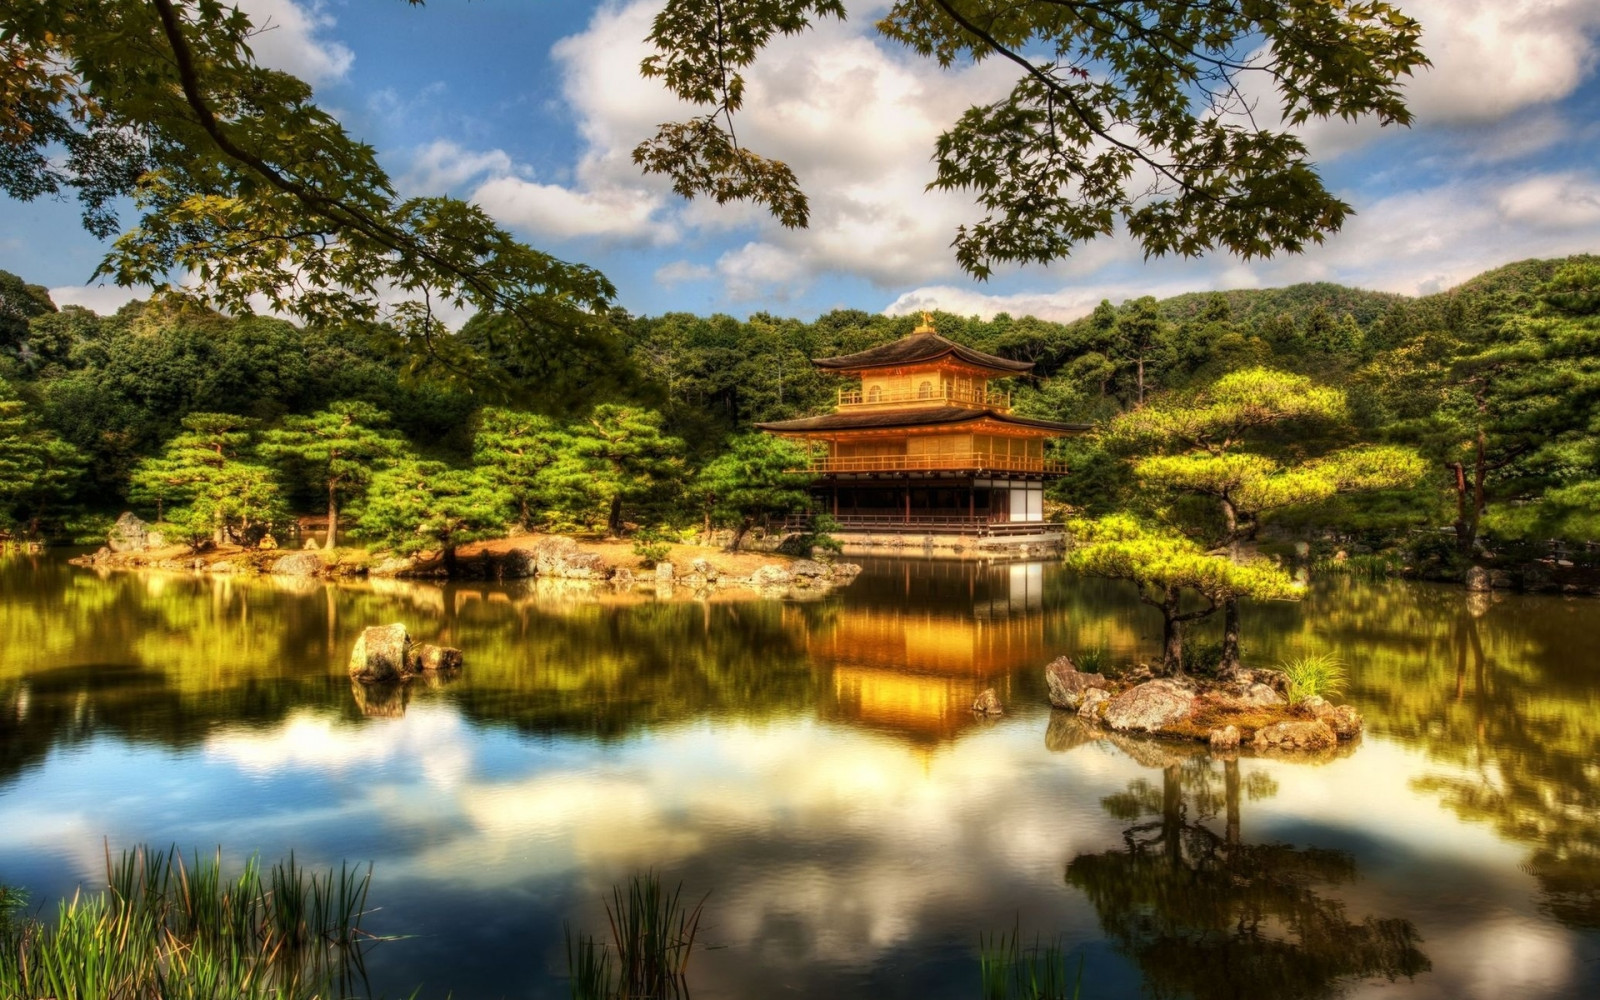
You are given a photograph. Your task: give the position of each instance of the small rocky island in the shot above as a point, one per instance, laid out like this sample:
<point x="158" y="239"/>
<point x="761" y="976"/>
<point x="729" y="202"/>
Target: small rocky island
<point x="1245" y="709"/>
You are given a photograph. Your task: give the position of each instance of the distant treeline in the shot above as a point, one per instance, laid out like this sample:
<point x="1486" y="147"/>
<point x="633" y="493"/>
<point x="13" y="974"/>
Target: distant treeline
<point x="1496" y="383"/>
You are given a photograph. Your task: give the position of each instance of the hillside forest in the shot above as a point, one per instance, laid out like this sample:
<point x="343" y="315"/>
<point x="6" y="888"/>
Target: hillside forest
<point x="228" y="427"/>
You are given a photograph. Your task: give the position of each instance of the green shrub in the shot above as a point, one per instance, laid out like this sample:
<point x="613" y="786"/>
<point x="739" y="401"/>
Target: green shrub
<point x="651" y="547"/>
<point x="1093" y="659"/>
<point x="1313" y="675"/>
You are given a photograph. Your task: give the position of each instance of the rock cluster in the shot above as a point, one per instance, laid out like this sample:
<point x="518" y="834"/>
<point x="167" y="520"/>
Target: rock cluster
<point x="385" y="654"/>
<point x="1246" y="709"/>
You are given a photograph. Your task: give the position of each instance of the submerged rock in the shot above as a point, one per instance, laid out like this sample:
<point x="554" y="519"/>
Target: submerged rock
<point x="1068" y="684"/>
<point x="381" y="655"/>
<point x="1295" y="736"/>
<point x="380" y="701"/>
<point x="1150" y="707"/>
<point x="988" y="703"/>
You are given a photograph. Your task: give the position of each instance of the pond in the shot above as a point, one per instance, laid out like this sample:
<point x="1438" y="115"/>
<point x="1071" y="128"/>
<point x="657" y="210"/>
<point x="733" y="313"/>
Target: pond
<point x="815" y="769"/>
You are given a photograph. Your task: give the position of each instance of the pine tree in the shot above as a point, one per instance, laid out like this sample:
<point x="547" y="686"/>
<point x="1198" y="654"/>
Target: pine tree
<point x="207" y="468"/>
<point x="1199" y="446"/>
<point x="753" y="479"/>
<point x="416" y="505"/>
<point x="1164" y="566"/>
<point x="37" y="469"/>
<point x="516" y="451"/>
<point x="614" y="456"/>
<point x="338" y="448"/>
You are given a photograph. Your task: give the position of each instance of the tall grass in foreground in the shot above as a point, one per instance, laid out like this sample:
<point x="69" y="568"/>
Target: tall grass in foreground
<point x="652" y="937"/>
<point x="167" y="929"/>
<point x="1008" y="971"/>
<point x="1312" y="675"/>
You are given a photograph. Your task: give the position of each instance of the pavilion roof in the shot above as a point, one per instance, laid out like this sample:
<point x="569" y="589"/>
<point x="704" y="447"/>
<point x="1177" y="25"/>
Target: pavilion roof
<point x="930" y="416"/>
<point x="921" y="347"/>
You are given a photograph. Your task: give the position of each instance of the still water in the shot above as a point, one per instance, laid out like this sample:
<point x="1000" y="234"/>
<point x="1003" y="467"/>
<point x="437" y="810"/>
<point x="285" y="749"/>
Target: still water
<point x="814" y="768"/>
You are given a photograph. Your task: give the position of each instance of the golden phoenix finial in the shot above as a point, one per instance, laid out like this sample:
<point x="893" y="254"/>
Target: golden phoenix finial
<point x="927" y="323"/>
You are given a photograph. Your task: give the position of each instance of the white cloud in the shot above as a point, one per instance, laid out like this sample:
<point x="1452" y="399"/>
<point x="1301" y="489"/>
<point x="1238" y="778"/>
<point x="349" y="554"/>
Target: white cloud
<point x="681" y="271"/>
<point x="103" y="299"/>
<point x="1494" y="57"/>
<point x="443" y="166"/>
<point x="1567" y="201"/>
<point x="291" y="37"/>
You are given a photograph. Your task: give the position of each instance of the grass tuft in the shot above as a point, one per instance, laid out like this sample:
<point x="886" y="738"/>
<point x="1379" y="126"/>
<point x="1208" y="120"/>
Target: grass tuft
<point x="1010" y="971"/>
<point x="1313" y="675"/>
<point x="652" y="939"/>
<point x="163" y="927"/>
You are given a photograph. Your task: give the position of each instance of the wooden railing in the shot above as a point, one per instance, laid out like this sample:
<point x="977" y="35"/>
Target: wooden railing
<point x="937" y="394"/>
<point x="969" y="460"/>
<point x="961" y="524"/>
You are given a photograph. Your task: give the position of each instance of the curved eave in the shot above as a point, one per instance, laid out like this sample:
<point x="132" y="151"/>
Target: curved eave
<point x="920" y="349"/>
<point x="914" y="420"/>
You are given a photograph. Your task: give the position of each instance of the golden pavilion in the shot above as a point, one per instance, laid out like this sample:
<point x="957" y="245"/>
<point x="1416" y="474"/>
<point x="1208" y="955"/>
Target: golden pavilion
<point x="923" y="444"/>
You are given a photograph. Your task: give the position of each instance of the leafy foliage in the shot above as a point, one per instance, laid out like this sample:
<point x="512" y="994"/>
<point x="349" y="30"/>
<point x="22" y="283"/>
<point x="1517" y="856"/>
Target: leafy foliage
<point x="1128" y="113"/>
<point x="208" y="472"/>
<point x="1313" y="675"/>
<point x="338" y="449"/>
<point x="754" y="479"/>
<point x="615" y="456"/>
<point x="417" y="505"/>
<point x="241" y="180"/>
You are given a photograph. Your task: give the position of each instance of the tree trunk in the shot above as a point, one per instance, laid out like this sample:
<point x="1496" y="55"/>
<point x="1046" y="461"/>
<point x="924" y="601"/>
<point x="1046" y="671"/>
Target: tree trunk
<point x="614" y="520"/>
<point x="333" y="517"/>
<point x="1465" y="529"/>
<point x="1172" y="813"/>
<point x="738" y="535"/>
<point x="450" y="562"/>
<point x="1171" y="635"/>
<point x="1230" y="636"/>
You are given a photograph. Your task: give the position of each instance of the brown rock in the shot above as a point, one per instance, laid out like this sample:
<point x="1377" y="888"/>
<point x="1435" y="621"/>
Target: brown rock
<point x="1226" y="738"/>
<point x="1478" y="579"/>
<point x="988" y="703"/>
<point x="1262" y="696"/>
<point x="298" y="564"/>
<point x="381" y="655"/>
<point x="1342" y="719"/>
<point x="1150" y="707"/>
<point x="1093" y="699"/>
<point x="1296" y="736"/>
<point x="1068" y="684"/>
<point x="436" y="659"/>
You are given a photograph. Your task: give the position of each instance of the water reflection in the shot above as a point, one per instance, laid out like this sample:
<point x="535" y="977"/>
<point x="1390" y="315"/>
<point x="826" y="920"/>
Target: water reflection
<point x="817" y="768"/>
<point x="1208" y="915"/>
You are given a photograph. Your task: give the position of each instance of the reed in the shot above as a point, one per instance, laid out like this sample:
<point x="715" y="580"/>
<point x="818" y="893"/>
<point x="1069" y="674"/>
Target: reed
<point x="164" y="928"/>
<point x="1008" y="970"/>
<point x="652" y="940"/>
<point x="1315" y="674"/>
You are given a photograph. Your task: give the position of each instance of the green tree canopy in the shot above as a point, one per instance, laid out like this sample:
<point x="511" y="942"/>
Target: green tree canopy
<point x="38" y="470"/>
<point x="416" y="506"/>
<point x="208" y="471"/>
<point x="1165" y="567"/>
<point x="516" y="451"/>
<point x="338" y="449"/>
<point x="753" y="479"/>
<point x="1132" y="113"/>
<point x="615" y="456"/>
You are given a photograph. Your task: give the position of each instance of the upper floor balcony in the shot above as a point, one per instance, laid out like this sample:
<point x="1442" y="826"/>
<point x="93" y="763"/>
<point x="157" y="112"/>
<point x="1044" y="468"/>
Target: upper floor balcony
<point x="961" y="461"/>
<point x="938" y="393"/>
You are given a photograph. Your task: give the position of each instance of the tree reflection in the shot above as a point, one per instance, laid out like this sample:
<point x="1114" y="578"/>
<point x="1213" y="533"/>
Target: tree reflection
<point x="1206" y="915"/>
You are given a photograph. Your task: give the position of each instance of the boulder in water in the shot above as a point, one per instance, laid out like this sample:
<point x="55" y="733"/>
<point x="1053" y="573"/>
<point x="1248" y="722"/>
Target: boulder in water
<point x="988" y="703"/>
<point x="298" y="564"/>
<point x="381" y="655"/>
<point x="1068" y="684"/>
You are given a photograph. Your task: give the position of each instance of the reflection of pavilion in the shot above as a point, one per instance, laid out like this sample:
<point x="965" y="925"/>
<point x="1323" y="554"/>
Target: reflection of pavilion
<point x="919" y="671"/>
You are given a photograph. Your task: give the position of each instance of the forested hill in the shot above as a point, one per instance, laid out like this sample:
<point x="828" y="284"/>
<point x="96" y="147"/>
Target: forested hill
<point x="111" y="391"/>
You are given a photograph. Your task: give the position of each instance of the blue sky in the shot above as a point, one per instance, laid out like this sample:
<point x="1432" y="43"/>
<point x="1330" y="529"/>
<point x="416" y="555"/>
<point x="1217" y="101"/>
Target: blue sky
<point x="531" y="108"/>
